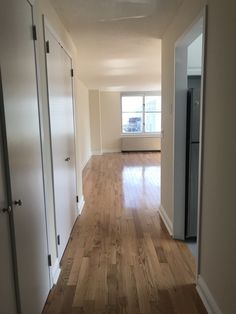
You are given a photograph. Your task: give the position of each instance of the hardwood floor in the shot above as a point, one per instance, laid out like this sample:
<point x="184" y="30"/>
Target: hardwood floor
<point x="120" y="258"/>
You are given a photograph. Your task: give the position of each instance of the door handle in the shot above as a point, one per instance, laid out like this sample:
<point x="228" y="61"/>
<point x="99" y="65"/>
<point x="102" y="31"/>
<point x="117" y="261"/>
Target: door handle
<point x="6" y="210"/>
<point x="18" y="203"/>
<point x="67" y="159"/>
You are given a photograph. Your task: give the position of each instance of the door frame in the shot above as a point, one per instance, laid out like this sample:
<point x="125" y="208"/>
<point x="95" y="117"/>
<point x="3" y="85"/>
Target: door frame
<point x="179" y="128"/>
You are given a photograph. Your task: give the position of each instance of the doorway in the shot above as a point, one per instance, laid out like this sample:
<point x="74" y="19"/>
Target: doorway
<point x="188" y="118"/>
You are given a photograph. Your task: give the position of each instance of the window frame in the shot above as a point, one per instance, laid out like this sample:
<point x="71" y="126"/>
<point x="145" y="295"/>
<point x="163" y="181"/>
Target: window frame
<point x="143" y="133"/>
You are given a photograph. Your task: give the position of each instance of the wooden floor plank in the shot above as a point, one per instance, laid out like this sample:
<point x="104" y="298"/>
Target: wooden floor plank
<point x="120" y="257"/>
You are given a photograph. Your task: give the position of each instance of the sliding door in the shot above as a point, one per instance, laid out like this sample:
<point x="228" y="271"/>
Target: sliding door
<point x="62" y="138"/>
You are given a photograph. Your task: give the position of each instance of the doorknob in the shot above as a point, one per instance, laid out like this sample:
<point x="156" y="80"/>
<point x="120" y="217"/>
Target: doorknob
<point x="67" y="159"/>
<point x="18" y="202"/>
<point x="6" y="210"/>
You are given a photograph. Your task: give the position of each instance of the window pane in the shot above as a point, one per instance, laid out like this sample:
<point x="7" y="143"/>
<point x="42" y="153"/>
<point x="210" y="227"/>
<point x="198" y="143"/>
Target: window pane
<point x="132" y="122"/>
<point x="132" y="103"/>
<point x="152" y="103"/>
<point x="153" y="122"/>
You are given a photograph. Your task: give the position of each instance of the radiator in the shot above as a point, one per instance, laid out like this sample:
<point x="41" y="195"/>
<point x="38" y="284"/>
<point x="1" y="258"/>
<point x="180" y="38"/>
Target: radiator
<point x="135" y="143"/>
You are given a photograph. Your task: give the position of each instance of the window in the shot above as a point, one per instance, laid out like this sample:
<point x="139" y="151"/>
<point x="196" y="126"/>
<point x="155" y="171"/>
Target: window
<point x="141" y="114"/>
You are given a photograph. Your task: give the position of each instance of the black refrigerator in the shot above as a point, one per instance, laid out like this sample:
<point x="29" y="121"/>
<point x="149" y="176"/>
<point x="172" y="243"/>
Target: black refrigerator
<point x="192" y="155"/>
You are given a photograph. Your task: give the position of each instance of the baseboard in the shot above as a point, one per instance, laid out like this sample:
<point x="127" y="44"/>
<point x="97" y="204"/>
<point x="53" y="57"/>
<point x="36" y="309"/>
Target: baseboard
<point x="81" y="204"/>
<point x="85" y="162"/>
<point x="96" y="153"/>
<point x="55" y="272"/>
<point x="168" y="223"/>
<point x="115" y="150"/>
<point x="206" y="297"/>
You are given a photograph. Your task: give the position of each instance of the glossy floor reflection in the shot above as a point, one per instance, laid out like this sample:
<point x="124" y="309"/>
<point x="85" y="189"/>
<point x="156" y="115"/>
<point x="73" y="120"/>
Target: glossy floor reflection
<point x="120" y="258"/>
<point x="141" y="186"/>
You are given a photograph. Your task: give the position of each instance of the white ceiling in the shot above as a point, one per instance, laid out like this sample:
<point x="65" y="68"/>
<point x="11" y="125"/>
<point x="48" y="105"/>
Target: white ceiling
<point x="118" y="41"/>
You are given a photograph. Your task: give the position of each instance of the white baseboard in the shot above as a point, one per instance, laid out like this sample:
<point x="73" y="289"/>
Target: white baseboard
<point x="81" y="204"/>
<point x="115" y="150"/>
<point x="104" y="151"/>
<point x="84" y="163"/>
<point x="55" y="272"/>
<point x="168" y="223"/>
<point x="206" y="297"/>
<point x="96" y="153"/>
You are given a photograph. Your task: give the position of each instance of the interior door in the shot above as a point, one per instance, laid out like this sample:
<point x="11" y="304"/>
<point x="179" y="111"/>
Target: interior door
<point x="62" y="138"/>
<point x="7" y="288"/>
<point x="24" y="153"/>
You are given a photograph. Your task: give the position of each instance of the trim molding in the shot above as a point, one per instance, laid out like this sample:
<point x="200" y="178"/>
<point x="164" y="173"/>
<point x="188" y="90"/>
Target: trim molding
<point x="81" y="204"/>
<point x="84" y="163"/>
<point x="115" y="150"/>
<point x="104" y="151"/>
<point x="168" y="223"/>
<point x="55" y="272"/>
<point x="206" y="297"/>
<point x="96" y="153"/>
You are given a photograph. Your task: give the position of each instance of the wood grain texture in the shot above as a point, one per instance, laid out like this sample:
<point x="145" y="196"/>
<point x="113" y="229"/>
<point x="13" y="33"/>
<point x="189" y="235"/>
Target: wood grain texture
<point x="120" y="258"/>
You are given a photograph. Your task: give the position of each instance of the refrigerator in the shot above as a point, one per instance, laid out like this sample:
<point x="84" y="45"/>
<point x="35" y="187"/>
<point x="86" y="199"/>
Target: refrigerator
<point x="192" y="155"/>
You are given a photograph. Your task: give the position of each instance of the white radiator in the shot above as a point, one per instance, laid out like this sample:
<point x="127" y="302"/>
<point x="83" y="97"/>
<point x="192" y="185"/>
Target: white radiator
<point x="136" y="143"/>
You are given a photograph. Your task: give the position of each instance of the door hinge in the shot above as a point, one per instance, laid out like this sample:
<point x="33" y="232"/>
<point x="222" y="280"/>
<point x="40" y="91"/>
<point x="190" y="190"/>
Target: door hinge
<point x="47" y="46"/>
<point x="72" y="73"/>
<point x="49" y="260"/>
<point x="77" y="199"/>
<point x="58" y="239"/>
<point x="34" y="30"/>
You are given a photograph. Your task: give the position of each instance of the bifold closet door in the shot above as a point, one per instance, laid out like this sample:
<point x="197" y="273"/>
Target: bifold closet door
<point x="62" y="138"/>
<point x="20" y="100"/>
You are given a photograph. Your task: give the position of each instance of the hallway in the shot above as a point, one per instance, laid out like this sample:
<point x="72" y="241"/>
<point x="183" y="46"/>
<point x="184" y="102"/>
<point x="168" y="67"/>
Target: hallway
<point x="120" y="258"/>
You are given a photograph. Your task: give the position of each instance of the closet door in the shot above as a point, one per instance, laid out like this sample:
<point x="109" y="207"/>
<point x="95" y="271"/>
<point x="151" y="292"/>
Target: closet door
<point x="7" y="289"/>
<point x="24" y="153"/>
<point x="62" y="138"/>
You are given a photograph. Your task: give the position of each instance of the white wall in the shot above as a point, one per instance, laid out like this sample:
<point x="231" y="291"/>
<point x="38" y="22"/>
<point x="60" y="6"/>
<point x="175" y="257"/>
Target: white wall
<point x="110" y="121"/>
<point x="95" y="122"/>
<point x="218" y="232"/>
<point x="105" y="121"/>
<point x="105" y="124"/>
<point x="218" y="256"/>
<point x="184" y="18"/>
<point x="83" y="124"/>
<point x="195" y="57"/>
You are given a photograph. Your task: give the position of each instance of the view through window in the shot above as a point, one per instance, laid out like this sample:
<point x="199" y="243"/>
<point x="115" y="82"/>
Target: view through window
<point x="141" y="114"/>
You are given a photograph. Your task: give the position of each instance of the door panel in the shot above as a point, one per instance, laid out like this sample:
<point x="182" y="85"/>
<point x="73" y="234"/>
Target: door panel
<point x="7" y="289"/>
<point x="24" y="151"/>
<point x="62" y="137"/>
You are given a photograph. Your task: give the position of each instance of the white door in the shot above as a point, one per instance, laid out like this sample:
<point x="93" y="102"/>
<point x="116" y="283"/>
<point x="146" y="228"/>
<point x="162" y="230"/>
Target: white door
<point x="7" y="289"/>
<point x="62" y="138"/>
<point x="24" y="153"/>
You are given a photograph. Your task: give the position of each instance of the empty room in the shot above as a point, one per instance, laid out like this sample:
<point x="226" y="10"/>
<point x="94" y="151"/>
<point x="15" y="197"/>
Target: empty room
<point x="117" y="157"/>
